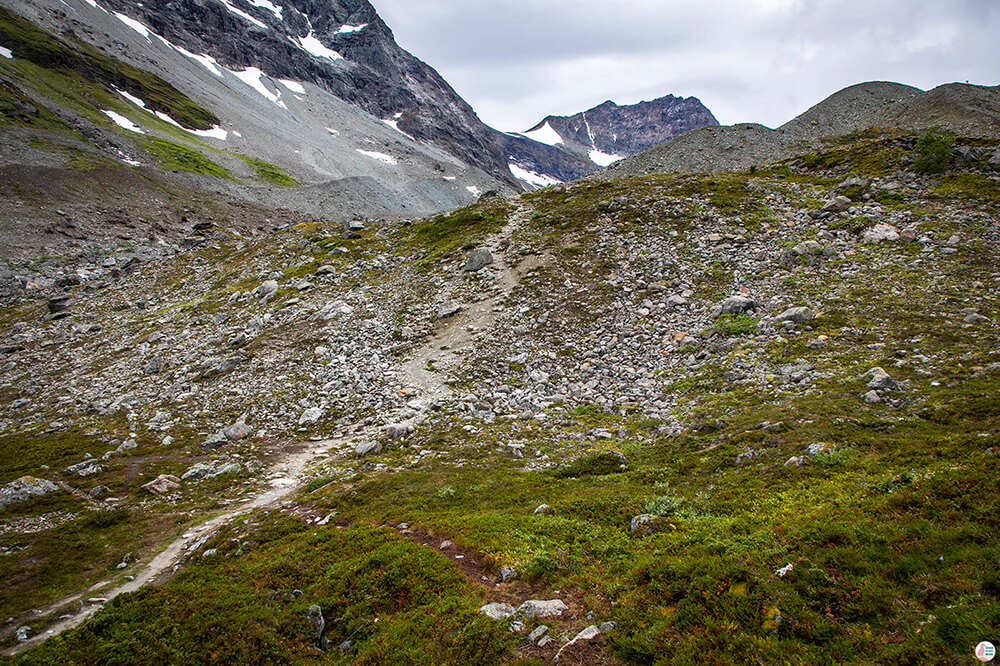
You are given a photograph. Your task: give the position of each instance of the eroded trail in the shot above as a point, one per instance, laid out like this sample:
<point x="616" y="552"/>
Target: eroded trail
<point x="434" y="363"/>
<point x="285" y="478"/>
<point x="428" y="371"/>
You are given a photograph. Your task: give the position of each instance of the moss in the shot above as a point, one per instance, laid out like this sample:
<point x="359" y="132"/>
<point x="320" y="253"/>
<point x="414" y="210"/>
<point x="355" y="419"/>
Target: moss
<point x="269" y="173"/>
<point x="173" y="155"/>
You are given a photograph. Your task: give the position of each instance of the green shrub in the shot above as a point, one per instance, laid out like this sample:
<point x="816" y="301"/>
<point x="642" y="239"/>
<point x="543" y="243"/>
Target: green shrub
<point x="932" y="153"/>
<point x="106" y="518"/>
<point x="599" y="464"/>
<point x="740" y="324"/>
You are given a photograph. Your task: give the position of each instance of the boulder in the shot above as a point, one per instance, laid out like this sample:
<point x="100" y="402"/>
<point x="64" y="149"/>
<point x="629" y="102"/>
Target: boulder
<point x="398" y="430"/>
<point x="880" y="233"/>
<point x="535" y="608"/>
<point x="162" y="484"/>
<point x="738" y="305"/>
<point x="364" y="448"/>
<point x="85" y="468"/>
<point x="496" y="611"/>
<point x="796" y="315"/>
<point x="25" y="488"/>
<point x="838" y="204"/>
<point x="311" y="416"/>
<point x="479" y="258"/>
<point x="239" y="430"/>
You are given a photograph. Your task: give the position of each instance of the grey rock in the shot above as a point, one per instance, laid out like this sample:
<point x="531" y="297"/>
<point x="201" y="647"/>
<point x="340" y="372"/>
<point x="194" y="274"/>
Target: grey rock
<point x="228" y="468"/>
<point x="746" y="457"/>
<point x="507" y="574"/>
<point x="795" y="461"/>
<point x="318" y="622"/>
<point x="61" y="303"/>
<point x="881" y="381"/>
<point x="796" y="315"/>
<point x="976" y="318"/>
<point x="872" y="397"/>
<point x="643" y="523"/>
<point x="85" y="468"/>
<point x="98" y="492"/>
<point x="364" y="448"/>
<point x="807" y="247"/>
<point x="162" y="484"/>
<point x="216" y="441"/>
<point x="738" y="305"/>
<point x="605" y="627"/>
<point x="536" y="608"/>
<point x="838" y="204"/>
<point x="266" y="289"/>
<point x="881" y="232"/>
<point x="587" y="635"/>
<point x="819" y="447"/>
<point x="25" y="488"/>
<point x="479" y="258"/>
<point x="21" y="634"/>
<point x="544" y="510"/>
<point x="497" y="611"/>
<point x="995" y="158"/>
<point x="311" y="416"/>
<point x="239" y="430"/>
<point x="537" y="633"/>
<point x="127" y="445"/>
<point x="155" y="366"/>
<point x="398" y="430"/>
<point x="446" y="310"/>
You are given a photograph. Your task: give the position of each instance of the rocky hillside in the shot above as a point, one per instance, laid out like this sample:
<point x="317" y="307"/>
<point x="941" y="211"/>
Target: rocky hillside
<point x="599" y="137"/>
<point x="961" y="109"/>
<point x="675" y="417"/>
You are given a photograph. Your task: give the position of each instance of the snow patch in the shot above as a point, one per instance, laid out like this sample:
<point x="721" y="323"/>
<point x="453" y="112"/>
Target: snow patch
<point x="311" y="44"/>
<point x="253" y="77"/>
<point x="242" y="14"/>
<point x="394" y="124"/>
<point x="603" y="159"/>
<point x="545" y="134"/>
<point x="126" y="159"/>
<point x="450" y="177"/>
<point x="214" y="133"/>
<point x="269" y="6"/>
<point x="6" y="53"/>
<point x="537" y="180"/>
<point x="135" y="25"/>
<point x="167" y="119"/>
<point x="132" y="98"/>
<point x="381" y="157"/>
<point x="123" y="122"/>
<point x="207" y="61"/>
<point x="92" y="3"/>
<point x="474" y="191"/>
<point x="347" y="29"/>
<point x="294" y="86"/>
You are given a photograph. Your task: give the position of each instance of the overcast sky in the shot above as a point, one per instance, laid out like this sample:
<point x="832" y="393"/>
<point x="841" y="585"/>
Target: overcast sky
<point x="766" y="61"/>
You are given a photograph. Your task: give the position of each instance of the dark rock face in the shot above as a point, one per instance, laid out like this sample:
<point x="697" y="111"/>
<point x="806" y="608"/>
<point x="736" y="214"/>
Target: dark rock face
<point x="554" y="161"/>
<point x="627" y="130"/>
<point x="374" y="72"/>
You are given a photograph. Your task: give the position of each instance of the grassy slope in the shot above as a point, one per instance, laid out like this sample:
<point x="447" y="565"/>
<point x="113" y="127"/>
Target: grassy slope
<point x="891" y="535"/>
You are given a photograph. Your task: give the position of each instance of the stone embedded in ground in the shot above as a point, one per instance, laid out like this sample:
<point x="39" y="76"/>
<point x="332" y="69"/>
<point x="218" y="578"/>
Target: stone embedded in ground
<point x="25" y="488"/>
<point x="497" y="611"/>
<point x="239" y="430"/>
<point x="162" y="484"/>
<point x="85" y="468"/>
<point x="544" y="510"/>
<point x="536" y="608"/>
<point x="818" y="448"/>
<point x="797" y="315"/>
<point x="881" y="381"/>
<point x="398" y="430"/>
<point x="589" y="634"/>
<point x="538" y="633"/>
<point x="364" y="448"/>
<point x="507" y="574"/>
<point x="881" y="232"/>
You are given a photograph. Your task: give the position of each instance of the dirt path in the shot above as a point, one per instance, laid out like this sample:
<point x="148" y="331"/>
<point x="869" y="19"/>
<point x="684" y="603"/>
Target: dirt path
<point x="442" y="352"/>
<point x="433" y="364"/>
<point x="287" y="478"/>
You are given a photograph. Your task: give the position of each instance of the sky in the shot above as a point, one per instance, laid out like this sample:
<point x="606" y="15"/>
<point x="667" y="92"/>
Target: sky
<point x="765" y="61"/>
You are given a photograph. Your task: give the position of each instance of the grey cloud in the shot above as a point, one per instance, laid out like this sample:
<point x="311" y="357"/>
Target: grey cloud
<point x="748" y="60"/>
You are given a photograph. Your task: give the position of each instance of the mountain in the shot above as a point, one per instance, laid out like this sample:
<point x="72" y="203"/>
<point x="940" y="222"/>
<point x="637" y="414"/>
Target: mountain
<point x="600" y="136"/>
<point x="965" y="110"/>
<point x="370" y="131"/>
